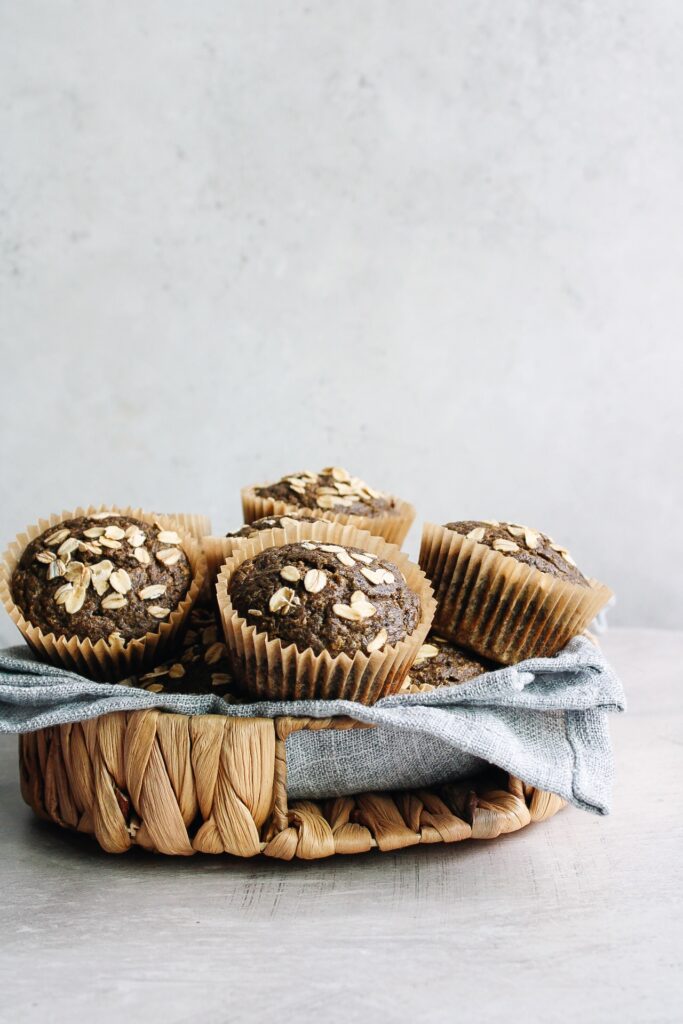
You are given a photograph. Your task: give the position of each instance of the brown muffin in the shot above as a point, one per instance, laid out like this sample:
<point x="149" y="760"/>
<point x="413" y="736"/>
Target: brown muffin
<point x="331" y="490"/>
<point x="523" y="544"/>
<point x="326" y="597"/>
<point x="276" y="522"/>
<point x="100" y="577"/>
<point x="506" y="591"/>
<point x="201" y="664"/>
<point x="439" y="663"/>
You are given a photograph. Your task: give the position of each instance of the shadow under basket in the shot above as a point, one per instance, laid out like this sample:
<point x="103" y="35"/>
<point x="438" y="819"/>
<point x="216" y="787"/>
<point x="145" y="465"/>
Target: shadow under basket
<point x="180" y="785"/>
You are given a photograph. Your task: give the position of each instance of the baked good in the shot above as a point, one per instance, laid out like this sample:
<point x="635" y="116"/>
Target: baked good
<point x="101" y="576"/>
<point x="506" y="591"/>
<point x="304" y="515"/>
<point x="439" y="663"/>
<point x="524" y="545"/>
<point x="199" y="666"/>
<point x="326" y="597"/>
<point x="331" y="490"/>
<point x="81" y="575"/>
<point x="320" y="610"/>
<point x="218" y="549"/>
<point x="337" y="496"/>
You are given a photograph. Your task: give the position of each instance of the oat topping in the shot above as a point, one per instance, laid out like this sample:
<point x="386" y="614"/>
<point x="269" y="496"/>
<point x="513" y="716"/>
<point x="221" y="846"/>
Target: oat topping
<point x="169" y="556"/>
<point x="56" y="568"/>
<point x="158" y="612"/>
<point x="290" y="573"/>
<point x="214" y="653"/>
<point x="359" y="608"/>
<point x="120" y="581"/>
<point x="56" y="538"/>
<point x="220" y="679"/>
<point x="333" y="489"/>
<point x="315" y="580"/>
<point x="378" y="642"/>
<point x="505" y="545"/>
<point x="378" y="576"/>
<point x="283" y="600"/>
<point x="111" y="543"/>
<point x="426" y="651"/>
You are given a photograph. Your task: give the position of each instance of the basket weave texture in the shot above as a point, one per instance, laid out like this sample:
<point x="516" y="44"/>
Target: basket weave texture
<point x="178" y="784"/>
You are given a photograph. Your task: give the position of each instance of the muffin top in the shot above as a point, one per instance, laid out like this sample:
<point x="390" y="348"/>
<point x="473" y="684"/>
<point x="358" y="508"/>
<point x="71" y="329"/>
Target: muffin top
<point x="325" y="596"/>
<point x="100" y="575"/>
<point x="440" y="663"/>
<point x="276" y="522"/>
<point x="200" y="666"/>
<point x="331" y="490"/>
<point x="523" y="544"/>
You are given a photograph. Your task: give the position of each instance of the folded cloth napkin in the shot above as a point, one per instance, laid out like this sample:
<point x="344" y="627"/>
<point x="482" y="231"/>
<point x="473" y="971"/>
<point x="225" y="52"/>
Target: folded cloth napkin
<point x="544" y="720"/>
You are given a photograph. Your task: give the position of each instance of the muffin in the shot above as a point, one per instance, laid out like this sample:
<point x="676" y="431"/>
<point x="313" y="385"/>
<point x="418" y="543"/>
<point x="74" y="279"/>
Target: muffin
<point x="439" y="663"/>
<point x="102" y="591"/>
<point x="331" y="490"/>
<point x="200" y="665"/>
<point x="218" y="549"/>
<point x="276" y="522"/>
<point x="325" y="597"/>
<point x="337" y="496"/>
<point x="506" y="591"/>
<point x="322" y="610"/>
<point x="100" y="576"/>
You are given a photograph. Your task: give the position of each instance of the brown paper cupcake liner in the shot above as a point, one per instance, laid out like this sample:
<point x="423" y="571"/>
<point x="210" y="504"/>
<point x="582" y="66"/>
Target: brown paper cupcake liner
<point x="197" y="525"/>
<point x="273" y="672"/>
<point x="217" y="550"/>
<point x="103" y="660"/>
<point x="499" y="607"/>
<point x="393" y="528"/>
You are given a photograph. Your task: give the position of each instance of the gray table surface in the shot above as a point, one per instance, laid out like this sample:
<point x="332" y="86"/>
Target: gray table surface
<point x="575" y="917"/>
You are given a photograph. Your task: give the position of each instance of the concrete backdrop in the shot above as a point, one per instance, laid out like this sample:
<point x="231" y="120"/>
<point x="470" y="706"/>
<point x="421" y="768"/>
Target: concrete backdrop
<point x="437" y="242"/>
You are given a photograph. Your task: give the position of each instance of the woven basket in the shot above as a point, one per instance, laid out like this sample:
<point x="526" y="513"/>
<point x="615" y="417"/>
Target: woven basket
<point x="180" y="785"/>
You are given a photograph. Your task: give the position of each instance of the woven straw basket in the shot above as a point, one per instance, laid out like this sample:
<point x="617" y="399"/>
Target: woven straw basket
<point x="180" y="785"/>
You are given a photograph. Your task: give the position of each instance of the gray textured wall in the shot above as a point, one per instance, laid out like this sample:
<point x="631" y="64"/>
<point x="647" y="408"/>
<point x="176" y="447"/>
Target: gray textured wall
<point x="438" y="242"/>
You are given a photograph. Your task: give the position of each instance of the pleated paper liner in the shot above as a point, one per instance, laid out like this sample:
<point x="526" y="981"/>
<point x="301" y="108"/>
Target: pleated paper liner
<point x="499" y="607"/>
<point x="217" y="551"/>
<point x="103" y="660"/>
<point x="393" y="528"/>
<point x="197" y="525"/>
<point x="270" y="671"/>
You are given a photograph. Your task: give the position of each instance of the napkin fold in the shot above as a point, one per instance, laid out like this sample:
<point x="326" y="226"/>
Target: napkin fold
<point x="544" y="720"/>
